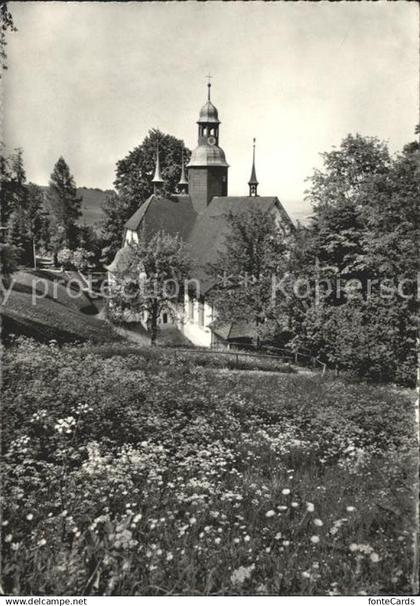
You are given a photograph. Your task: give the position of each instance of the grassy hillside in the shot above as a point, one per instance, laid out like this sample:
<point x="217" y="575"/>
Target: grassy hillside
<point x="137" y="473"/>
<point x="41" y="306"/>
<point x="92" y="201"/>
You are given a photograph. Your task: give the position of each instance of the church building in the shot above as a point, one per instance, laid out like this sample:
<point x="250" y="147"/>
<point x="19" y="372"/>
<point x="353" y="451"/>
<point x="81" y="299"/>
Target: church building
<point x="198" y="214"/>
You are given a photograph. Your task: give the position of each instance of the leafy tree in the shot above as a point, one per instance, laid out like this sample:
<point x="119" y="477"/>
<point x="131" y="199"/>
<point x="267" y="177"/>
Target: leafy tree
<point x="19" y="236"/>
<point x="133" y="183"/>
<point x="134" y="173"/>
<point x="64" y="206"/>
<point x="254" y="252"/>
<point x="366" y="226"/>
<point x="91" y="241"/>
<point x="37" y="218"/>
<point x="13" y="178"/>
<point x="152" y="280"/>
<point x="16" y="207"/>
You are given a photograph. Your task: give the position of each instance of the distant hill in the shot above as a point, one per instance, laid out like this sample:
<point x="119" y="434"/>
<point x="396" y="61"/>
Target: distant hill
<point x="92" y="201"/>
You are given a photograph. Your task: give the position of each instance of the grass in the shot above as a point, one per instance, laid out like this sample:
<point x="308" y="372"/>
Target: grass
<point x="154" y="357"/>
<point x="40" y="306"/>
<point x="132" y="472"/>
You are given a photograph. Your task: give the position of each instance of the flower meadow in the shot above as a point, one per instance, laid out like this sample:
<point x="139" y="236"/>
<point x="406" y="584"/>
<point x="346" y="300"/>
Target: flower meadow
<point x="144" y="474"/>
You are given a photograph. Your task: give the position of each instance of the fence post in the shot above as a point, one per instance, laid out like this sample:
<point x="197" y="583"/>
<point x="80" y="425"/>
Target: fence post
<point x="237" y="360"/>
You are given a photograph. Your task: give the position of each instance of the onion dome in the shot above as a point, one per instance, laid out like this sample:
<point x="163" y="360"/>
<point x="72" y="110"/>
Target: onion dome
<point x="208" y="113"/>
<point x="208" y="155"/>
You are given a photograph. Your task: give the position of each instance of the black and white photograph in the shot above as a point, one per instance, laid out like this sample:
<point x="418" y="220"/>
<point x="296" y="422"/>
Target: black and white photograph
<point x="210" y="227"/>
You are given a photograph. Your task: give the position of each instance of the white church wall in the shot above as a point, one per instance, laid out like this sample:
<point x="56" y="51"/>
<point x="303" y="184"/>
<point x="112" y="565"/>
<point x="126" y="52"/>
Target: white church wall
<point x="195" y="322"/>
<point x="131" y="236"/>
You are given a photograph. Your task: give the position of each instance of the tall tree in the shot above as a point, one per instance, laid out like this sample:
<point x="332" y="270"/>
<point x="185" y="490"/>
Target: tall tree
<point x="6" y="25"/>
<point x="366" y="226"/>
<point x="116" y="212"/>
<point x="133" y="183"/>
<point x="19" y="236"/>
<point x="151" y="280"/>
<point x="16" y="208"/>
<point x="134" y="173"/>
<point x="37" y="217"/>
<point x="13" y="179"/>
<point x="254" y="252"/>
<point x="64" y="206"/>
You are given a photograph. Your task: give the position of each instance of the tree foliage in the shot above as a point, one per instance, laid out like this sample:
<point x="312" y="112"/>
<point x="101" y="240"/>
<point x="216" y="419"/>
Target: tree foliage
<point x="6" y="25"/>
<point x="366" y="228"/>
<point x="254" y="252"/>
<point x="133" y="183"/>
<point x="152" y="280"/>
<point x="64" y="204"/>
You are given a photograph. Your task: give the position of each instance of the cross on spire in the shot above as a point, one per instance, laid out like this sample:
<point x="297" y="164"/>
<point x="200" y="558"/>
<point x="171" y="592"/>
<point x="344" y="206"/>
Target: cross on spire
<point x="253" y="182"/>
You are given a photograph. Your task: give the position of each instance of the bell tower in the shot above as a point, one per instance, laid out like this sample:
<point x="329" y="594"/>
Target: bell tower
<point x="207" y="169"/>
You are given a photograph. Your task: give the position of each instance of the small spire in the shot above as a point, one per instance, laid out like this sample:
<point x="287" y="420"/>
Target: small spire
<point x="183" y="183"/>
<point x="157" y="178"/>
<point x="208" y="87"/>
<point x="253" y="183"/>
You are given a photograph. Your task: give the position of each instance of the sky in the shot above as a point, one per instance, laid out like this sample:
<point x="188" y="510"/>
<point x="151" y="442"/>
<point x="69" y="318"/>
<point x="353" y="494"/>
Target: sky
<point x="88" y="80"/>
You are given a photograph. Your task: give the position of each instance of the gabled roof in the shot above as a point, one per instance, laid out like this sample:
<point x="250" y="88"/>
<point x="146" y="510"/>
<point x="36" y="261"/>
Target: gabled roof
<point x="205" y="232"/>
<point x="238" y="329"/>
<point x="122" y="260"/>
<point x="208" y="235"/>
<point x="135" y="220"/>
<point x="174" y="215"/>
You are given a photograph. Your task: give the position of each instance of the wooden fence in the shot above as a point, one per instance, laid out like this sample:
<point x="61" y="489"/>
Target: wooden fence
<point x="237" y="351"/>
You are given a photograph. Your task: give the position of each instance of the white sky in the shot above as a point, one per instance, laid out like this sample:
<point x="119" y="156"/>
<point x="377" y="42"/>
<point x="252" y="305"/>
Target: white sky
<point x="87" y="81"/>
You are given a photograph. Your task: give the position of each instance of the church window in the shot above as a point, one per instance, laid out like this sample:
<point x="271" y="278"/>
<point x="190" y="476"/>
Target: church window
<point x="165" y="318"/>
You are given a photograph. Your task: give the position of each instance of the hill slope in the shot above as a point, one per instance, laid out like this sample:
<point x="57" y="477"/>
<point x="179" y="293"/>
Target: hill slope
<point x="92" y="201"/>
<point x="42" y="306"/>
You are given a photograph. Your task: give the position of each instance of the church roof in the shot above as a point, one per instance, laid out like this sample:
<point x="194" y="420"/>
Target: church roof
<point x="205" y="233"/>
<point x="209" y="114"/>
<point x="238" y="329"/>
<point x="174" y="215"/>
<point x="209" y="232"/>
<point x="121" y="261"/>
